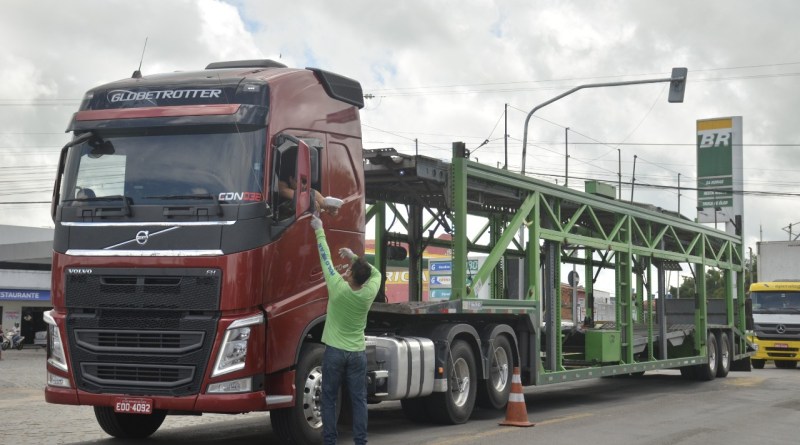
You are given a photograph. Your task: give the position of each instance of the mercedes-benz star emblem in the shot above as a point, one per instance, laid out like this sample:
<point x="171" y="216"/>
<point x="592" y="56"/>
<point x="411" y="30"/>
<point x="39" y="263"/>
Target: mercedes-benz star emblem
<point x="780" y="329"/>
<point x="142" y="236"/>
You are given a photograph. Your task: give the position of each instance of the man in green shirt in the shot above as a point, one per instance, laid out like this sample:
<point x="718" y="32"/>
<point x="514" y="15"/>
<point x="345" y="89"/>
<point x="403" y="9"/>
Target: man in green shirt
<point x="350" y="296"/>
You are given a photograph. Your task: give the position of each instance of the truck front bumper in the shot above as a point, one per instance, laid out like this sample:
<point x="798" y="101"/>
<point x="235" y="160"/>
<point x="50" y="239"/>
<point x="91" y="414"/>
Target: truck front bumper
<point x="205" y="403"/>
<point x="776" y="350"/>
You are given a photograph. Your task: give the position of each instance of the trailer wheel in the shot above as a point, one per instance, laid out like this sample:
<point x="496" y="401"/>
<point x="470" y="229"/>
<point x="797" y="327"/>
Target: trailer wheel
<point x="128" y="426"/>
<point x="455" y="405"/>
<point x="707" y="371"/>
<point x="302" y="423"/>
<point x="757" y="363"/>
<point x="724" y="355"/>
<point x="493" y="392"/>
<point x="785" y="364"/>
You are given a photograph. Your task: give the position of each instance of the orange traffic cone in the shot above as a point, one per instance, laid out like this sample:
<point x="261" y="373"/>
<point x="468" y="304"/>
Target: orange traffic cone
<point x="516" y="412"/>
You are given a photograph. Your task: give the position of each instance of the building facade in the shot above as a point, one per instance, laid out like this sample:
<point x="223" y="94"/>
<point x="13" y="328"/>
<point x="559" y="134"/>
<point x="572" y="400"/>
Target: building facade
<point x="25" y="255"/>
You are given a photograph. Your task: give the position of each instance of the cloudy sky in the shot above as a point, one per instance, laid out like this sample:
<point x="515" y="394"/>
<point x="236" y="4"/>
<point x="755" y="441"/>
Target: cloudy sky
<point x="444" y="71"/>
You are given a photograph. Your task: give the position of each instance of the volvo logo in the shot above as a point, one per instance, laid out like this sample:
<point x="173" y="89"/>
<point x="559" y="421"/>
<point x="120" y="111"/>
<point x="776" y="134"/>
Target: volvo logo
<point x="780" y="329"/>
<point x="142" y="236"/>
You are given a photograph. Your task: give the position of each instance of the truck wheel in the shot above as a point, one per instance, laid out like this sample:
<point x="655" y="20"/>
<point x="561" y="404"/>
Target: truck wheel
<point x="707" y="371"/>
<point x="724" y="355"/>
<point x="128" y="426"/>
<point x="455" y="405"/>
<point x="493" y="392"/>
<point x="758" y="364"/>
<point x="302" y="423"/>
<point x="785" y="364"/>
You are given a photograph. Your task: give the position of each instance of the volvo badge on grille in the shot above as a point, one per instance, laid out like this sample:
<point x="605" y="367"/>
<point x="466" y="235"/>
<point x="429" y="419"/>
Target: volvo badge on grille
<point x="142" y="237"/>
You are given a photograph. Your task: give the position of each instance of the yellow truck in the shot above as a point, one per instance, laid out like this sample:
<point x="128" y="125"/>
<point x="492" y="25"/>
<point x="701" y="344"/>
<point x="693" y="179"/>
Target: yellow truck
<point x="776" y="305"/>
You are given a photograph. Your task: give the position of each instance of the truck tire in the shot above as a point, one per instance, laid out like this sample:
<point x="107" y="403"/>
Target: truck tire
<point x="785" y="364"/>
<point x="493" y="392"/>
<point x="707" y="371"/>
<point x="758" y="364"/>
<point x="128" y="426"/>
<point x="723" y="355"/>
<point x="302" y="423"/>
<point x="455" y="405"/>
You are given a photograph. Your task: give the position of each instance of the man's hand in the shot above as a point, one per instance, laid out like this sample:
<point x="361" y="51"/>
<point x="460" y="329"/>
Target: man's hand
<point x="347" y="254"/>
<point x="316" y="223"/>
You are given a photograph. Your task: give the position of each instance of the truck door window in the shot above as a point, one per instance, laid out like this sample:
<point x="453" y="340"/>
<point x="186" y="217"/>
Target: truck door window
<point x="285" y="177"/>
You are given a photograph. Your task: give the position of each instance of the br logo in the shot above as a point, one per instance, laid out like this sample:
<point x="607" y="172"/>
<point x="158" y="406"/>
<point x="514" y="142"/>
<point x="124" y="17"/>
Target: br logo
<point x="708" y="140"/>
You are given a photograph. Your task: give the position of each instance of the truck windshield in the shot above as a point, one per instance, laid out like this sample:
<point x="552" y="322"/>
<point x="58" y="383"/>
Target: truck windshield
<point x="166" y="169"/>
<point x="776" y="302"/>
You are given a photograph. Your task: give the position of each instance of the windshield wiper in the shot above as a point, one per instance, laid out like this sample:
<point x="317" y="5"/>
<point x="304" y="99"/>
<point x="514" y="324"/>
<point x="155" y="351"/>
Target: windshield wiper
<point x="126" y="203"/>
<point x="205" y="196"/>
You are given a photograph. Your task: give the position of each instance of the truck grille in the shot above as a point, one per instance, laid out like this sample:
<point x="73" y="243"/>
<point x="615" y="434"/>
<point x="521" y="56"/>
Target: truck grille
<point x="138" y="375"/>
<point x="139" y="341"/>
<point x="142" y="332"/>
<point x="169" y="289"/>
<point x="777" y="331"/>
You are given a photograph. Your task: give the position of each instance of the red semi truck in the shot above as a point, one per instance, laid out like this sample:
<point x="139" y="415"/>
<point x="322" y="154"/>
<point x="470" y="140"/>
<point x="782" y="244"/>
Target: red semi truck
<point x="182" y="283"/>
<point x="185" y="282"/>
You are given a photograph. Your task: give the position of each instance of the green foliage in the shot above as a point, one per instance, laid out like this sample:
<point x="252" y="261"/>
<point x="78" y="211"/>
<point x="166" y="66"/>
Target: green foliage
<point x="715" y="283"/>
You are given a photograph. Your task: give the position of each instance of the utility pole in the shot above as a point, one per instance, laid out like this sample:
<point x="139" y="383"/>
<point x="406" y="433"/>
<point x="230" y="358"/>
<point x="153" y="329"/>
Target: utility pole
<point x="633" y="177"/>
<point x="566" y="157"/>
<point x="679" y="193"/>
<point x="619" y="173"/>
<point x="505" y="136"/>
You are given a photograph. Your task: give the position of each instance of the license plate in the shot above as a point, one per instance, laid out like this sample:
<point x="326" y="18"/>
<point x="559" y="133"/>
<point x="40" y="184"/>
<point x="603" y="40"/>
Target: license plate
<point x="782" y="345"/>
<point x="133" y="406"/>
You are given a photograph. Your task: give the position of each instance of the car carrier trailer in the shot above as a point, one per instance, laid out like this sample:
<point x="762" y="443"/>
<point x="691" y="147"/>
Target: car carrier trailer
<point x="702" y="337"/>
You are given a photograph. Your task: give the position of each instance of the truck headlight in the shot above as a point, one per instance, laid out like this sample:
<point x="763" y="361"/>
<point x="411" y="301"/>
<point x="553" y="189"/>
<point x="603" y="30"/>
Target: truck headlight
<point x="233" y="350"/>
<point x="55" y="349"/>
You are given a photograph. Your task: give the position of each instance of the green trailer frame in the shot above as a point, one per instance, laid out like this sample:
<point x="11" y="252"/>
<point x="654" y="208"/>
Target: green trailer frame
<point x="493" y="211"/>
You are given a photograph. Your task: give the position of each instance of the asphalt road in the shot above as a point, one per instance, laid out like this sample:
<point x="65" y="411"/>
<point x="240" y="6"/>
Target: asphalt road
<point x="760" y="407"/>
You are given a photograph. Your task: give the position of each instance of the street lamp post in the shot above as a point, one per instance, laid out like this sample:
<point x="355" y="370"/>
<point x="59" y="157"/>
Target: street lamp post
<point x="677" y="87"/>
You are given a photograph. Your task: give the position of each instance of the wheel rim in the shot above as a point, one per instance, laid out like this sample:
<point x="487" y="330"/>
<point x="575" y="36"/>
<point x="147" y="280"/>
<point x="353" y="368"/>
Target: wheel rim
<point x="712" y="358"/>
<point x="461" y="378"/>
<point x="498" y="374"/>
<point x="312" y="398"/>
<point x="725" y="358"/>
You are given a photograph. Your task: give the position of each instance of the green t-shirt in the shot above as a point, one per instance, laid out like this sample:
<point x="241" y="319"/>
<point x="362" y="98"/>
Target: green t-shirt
<point x="347" y="308"/>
